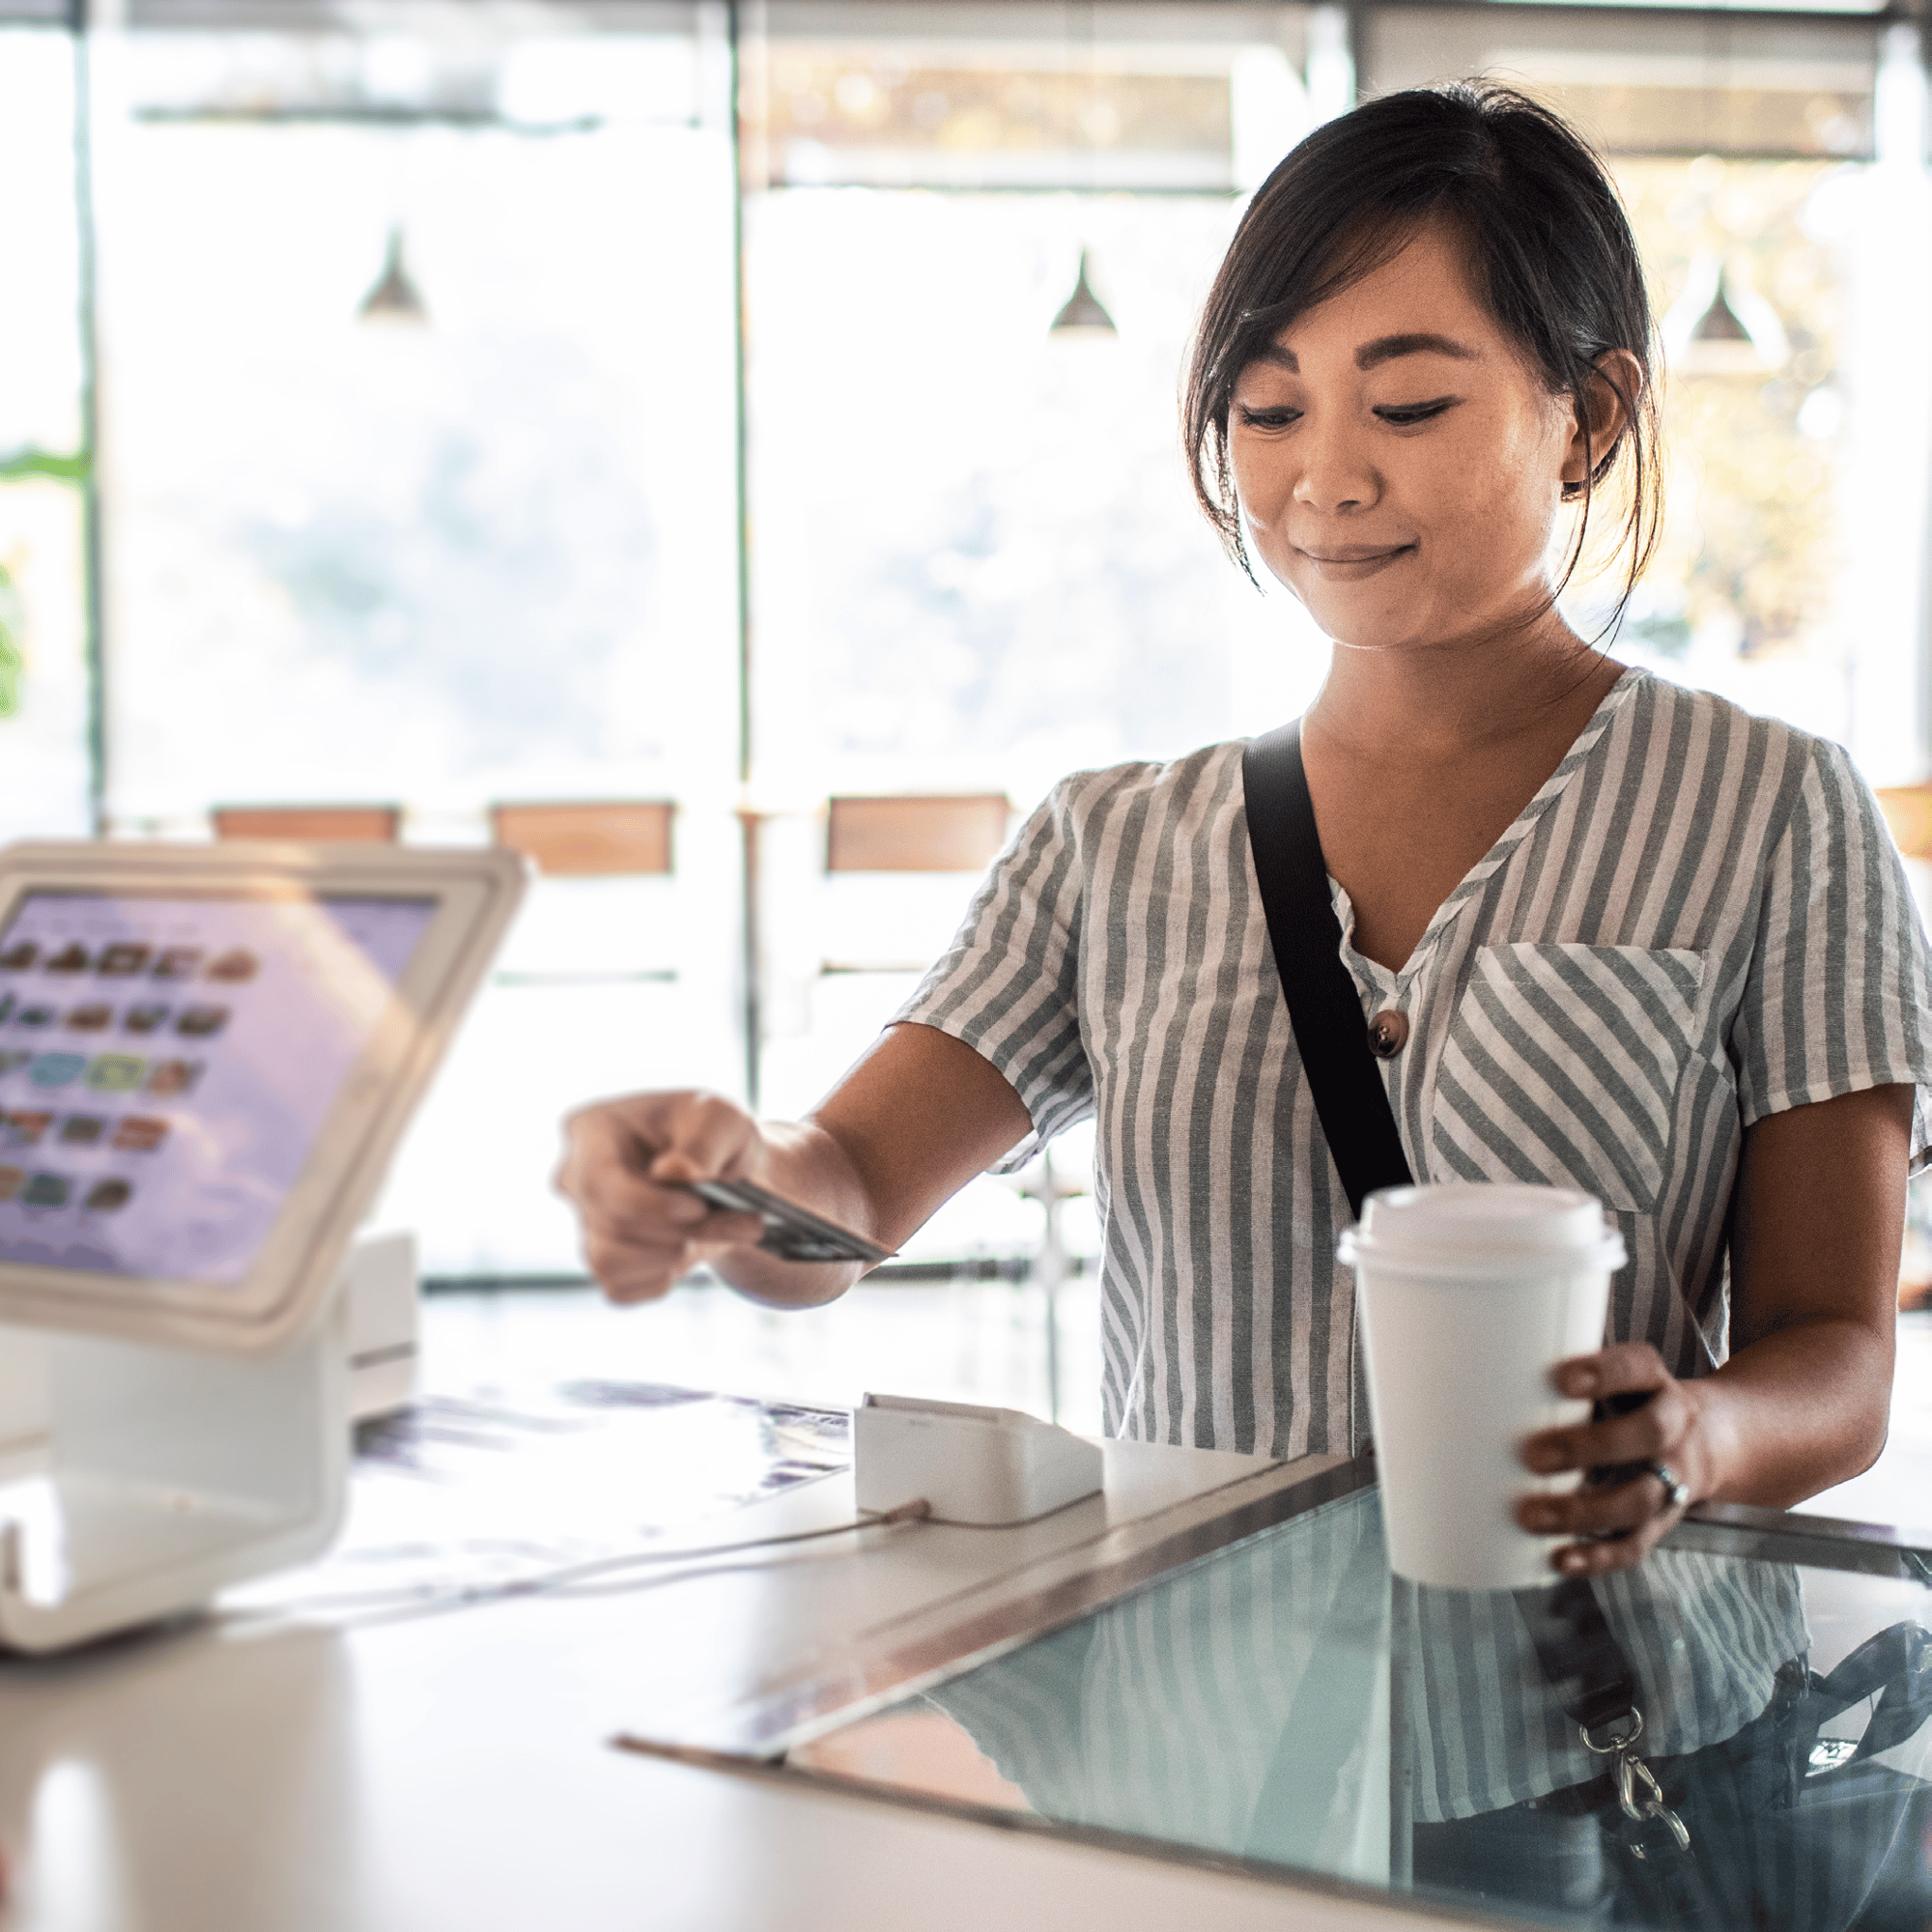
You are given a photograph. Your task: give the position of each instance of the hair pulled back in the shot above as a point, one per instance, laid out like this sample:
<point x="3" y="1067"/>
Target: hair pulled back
<point x="1549" y="251"/>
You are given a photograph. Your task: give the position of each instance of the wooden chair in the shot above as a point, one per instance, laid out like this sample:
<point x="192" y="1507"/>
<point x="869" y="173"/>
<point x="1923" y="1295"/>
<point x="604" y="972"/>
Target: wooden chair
<point x="1908" y="810"/>
<point x="338" y="824"/>
<point x="589" y="841"/>
<point x="942" y="833"/>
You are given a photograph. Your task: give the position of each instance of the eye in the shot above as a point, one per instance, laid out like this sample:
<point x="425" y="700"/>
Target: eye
<point x="1281" y="416"/>
<point x="1404" y="415"/>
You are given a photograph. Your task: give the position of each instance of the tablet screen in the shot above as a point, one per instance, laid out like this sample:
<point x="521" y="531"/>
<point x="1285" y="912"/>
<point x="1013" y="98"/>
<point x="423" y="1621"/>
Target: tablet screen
<point x="167" y="1062"/>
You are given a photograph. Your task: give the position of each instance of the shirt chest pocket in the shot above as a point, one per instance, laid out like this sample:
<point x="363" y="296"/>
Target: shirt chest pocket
<point x="1563" y="1063"/>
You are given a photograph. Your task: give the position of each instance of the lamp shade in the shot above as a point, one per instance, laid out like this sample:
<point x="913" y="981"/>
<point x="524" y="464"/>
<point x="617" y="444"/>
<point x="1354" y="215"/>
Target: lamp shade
<point x="395" y="297"/>
<point x="1082" y="308"/>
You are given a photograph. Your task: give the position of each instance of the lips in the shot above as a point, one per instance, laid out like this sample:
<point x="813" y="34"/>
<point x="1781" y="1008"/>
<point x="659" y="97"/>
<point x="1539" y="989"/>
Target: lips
<point x="1348" y="564"/>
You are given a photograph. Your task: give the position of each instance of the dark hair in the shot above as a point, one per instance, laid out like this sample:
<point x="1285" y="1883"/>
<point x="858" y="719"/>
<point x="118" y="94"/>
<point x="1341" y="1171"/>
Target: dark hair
<point x="1549" y="252"/>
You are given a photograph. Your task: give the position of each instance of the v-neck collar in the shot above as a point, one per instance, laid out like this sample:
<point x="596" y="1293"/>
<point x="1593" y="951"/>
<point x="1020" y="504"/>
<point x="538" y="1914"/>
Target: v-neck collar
<point x="1552" y="788"/>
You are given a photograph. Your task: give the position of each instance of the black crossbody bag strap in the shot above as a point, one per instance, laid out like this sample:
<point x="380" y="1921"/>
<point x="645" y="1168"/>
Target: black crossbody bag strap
<point x="1577" y="1648"/>
<point x="1330" y="1032"/>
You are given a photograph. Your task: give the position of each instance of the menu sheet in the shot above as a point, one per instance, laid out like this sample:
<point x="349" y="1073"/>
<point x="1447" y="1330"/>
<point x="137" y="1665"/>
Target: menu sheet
<point x="166" y="1063"/>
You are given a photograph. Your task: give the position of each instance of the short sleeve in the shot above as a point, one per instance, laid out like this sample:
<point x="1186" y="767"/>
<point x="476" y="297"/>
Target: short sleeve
<point x="1008" y="985"/>
<point x="1839" y="992"/>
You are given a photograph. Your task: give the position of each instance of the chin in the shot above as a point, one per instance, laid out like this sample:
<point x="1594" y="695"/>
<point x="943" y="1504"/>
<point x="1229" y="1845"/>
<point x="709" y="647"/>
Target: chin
<point x="1379" y="630"/>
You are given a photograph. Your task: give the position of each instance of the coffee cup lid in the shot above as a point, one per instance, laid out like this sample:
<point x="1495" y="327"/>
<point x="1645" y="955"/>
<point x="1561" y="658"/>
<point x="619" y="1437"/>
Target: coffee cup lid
<point x="1462" y="1224"/>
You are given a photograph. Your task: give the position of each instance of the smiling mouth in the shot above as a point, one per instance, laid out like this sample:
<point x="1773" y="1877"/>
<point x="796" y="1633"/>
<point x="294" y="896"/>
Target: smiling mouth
<point x="1354" y="563"/>
<point x="1355" y="553"/>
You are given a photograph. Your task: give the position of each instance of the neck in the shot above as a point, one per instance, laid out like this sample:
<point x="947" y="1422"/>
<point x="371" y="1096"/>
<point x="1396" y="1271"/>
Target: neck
<point x="1442" y="701"/>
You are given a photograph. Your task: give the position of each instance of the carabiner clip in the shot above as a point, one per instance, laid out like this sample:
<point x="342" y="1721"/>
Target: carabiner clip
<point x="1639" y="1796"/>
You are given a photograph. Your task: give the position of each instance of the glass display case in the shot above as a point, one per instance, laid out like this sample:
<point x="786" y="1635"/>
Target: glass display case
<point x="1733" y="1733"/>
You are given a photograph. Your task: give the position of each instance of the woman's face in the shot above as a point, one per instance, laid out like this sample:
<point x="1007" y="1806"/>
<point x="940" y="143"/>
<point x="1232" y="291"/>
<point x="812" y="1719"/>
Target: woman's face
<point x="1399" y="464"/>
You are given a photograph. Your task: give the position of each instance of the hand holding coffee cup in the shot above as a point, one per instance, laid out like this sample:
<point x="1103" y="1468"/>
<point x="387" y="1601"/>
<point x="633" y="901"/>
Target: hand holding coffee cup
<point x="1645" y="1451"/>
<point x="1470" y="1296"/>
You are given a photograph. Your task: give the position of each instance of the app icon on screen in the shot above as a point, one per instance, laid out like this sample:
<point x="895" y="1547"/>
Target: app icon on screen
<point x="235" y="966"/>
<point x="72" y="957"/>
<point x="144" y="1019"/>
<point x="174" y="1076"/>
<point x="122" y="960"/>
<point x="7" y="1004"/>
<point x="115" y="1074"/>
<point x="26" y="1130"/>
<point x="90" y="1018"/>
<point x="104" y="1196"/>
<point x="56" y="1069"/>
<point x="12" y="1062"/>
<point x="36" y="1017"/>
<point x="45" y="1190"/>
<point x="139" y="1133"/>
<point x="12" y="1181"/>
<point x="18" y="957"/>
<point x="202" y="1022"/>
<point x="81" y="1130"/>
<point x="178" y="962"/>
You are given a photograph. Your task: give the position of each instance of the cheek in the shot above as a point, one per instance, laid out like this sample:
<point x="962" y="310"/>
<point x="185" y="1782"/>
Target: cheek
<point x="1261" y="479"/>
<point x="1498" y="486"/>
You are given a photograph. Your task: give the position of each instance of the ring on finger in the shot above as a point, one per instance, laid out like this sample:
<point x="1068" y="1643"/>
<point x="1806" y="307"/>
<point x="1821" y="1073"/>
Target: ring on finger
<point x="1676" y="1492"/>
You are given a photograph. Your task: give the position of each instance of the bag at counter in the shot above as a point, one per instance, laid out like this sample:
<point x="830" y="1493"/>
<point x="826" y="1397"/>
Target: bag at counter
<point x="1775" y="1827"/>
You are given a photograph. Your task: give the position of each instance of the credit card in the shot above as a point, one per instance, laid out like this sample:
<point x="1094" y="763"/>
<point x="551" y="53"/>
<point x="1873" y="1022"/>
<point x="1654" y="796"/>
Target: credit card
<point x="793" y="1233"/>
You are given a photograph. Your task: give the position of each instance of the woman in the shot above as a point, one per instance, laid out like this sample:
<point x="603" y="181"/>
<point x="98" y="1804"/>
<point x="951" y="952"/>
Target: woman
<point x="1628" y="938"/>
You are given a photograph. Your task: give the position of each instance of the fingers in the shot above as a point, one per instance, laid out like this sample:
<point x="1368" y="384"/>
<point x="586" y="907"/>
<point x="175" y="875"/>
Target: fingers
<point x="1618" y="1527"/>
<point x="1657" y="1428"/>
<point x="639" y="1234"/>
<point x="640" y="1268"/>
<point x="1648" y="1416"/>
<point x="1623" y="1368"/>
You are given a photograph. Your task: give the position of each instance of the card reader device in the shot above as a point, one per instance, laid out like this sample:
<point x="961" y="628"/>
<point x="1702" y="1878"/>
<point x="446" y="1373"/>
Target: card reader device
<point x="983" y="1466"/>
<point x="206" y="1057"/>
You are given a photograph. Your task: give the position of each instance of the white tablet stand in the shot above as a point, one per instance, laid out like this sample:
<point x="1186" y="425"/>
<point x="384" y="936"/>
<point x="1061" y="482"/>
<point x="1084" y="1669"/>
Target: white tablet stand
<point x="174" y="1474"/>
<point x="198" y="1438"/>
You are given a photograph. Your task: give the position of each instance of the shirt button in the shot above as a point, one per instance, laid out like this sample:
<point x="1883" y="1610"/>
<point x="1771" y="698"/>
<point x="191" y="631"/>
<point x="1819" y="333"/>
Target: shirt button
<point x="1388" y="1033"/>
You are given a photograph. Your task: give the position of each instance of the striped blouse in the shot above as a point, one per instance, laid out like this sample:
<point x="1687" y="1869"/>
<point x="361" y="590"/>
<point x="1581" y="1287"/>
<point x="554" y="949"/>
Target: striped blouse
<point x="1698" y="921"/>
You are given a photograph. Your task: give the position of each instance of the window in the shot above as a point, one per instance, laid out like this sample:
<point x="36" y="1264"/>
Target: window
<point x="46" y="691"/>
<point x="422" y="492"/>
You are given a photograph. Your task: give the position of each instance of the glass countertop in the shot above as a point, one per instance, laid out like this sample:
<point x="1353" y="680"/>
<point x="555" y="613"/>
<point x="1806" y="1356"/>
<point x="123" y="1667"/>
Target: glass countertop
<point x="1285" y="1702"/>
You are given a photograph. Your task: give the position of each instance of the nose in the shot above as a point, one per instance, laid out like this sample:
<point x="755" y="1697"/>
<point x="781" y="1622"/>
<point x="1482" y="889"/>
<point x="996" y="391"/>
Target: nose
<point x="1336" y="475"/>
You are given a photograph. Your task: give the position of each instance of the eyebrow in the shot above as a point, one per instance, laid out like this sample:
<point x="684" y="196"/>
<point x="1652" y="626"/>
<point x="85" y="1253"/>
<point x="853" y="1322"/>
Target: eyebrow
<point x="1383" y="348"/>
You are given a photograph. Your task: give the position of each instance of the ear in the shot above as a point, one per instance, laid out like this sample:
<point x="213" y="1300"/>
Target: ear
<point x="1609" y="399"/>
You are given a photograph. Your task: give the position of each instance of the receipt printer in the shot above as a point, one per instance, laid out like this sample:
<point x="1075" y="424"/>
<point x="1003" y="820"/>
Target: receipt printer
<point x="984" y="1466"/>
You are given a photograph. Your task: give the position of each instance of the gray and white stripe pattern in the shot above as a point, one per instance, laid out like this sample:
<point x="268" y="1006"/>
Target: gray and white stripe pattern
<point x="1697" y="921"/>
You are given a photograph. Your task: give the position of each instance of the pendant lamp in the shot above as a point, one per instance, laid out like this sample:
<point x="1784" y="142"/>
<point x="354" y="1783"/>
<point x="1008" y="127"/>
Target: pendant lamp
<point x="1720" y="328"/>
<point x="395" y="297"/>
<point x="1082" y="309"/>
<point x="1082" y="313"/>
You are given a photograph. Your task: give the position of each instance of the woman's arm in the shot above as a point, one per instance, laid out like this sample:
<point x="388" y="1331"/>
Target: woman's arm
<point x="905" y="1130"/>
<point x="1802" y="1402"/>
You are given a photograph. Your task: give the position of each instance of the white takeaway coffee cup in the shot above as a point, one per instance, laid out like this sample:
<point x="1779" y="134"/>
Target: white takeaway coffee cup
<point x="1469" y="1295"/>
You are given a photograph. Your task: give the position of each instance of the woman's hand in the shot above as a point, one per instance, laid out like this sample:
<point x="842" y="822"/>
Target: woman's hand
<point x="915" y="1120"/>
<point x="1817" y="1215"/>
<point x="641" y="1234"/>
<point x="1619" y="1518"/>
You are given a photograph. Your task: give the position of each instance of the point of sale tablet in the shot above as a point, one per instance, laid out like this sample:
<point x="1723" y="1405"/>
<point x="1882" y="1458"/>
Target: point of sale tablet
<point x="207" y="1056"/>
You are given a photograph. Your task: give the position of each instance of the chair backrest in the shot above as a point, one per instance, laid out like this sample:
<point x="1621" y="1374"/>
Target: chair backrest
<point x="956" y="832"/>
<point x="1908" y="810"/>
<point x="589" y="841"/>
<point x="339" y="824"/>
